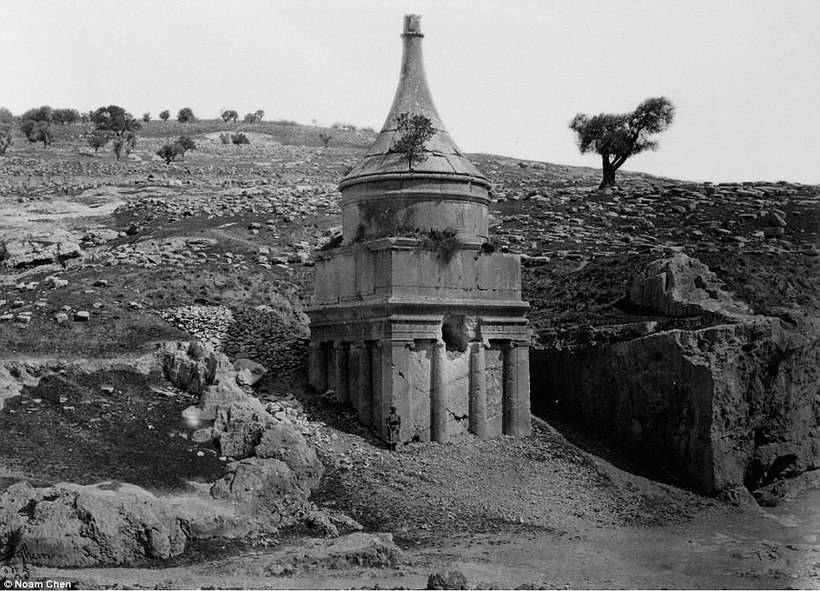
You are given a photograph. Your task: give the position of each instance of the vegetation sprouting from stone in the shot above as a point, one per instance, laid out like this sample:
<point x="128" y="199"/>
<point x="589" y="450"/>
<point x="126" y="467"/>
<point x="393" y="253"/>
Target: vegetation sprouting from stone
<point x="616" y="137"/>
<point x="414" y="131"/>
<point x="444" y="242"/>
<point x="334" y="242"/>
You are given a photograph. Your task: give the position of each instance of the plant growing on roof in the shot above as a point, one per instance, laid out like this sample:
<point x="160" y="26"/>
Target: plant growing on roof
<point x="414" y="130"/>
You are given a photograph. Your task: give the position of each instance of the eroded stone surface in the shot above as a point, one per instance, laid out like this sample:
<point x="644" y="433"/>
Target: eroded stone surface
<point x="682" y="286"/>
<point x="73" y="525"/>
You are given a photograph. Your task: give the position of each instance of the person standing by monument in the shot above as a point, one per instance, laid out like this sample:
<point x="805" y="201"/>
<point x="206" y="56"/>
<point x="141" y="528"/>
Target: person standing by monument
<point x="393" y="428"/>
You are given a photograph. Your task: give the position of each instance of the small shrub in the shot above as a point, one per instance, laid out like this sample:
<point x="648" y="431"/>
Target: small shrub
<point x="492" y="245"/>
<point x="146" y="117"/>
<point x="169" y="152"/>
<point x="325" y="138"/>
<point x="444" y="242"/>
<point x="98" y="139"/>
<point x="414" y="130"/>
<point x="334" y="242"/>
<point x="186" y="143"/>
<point x="240" y="138"/>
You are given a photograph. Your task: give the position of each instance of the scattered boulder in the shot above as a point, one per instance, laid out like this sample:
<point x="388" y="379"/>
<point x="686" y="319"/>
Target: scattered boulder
<point x="28" y="253"/>
<point x="284" y="442"/>
<point x="738" y="496"/>
<point x="453" y="579"/>
<point x="239" y="427"/>
<point x="331" y="524"/>
<point x="189" y="366"/>
<point x="353" y="550"/>
<point x="100" y="236"/>
<point x="69" y="525"/>
<point x="12" y="381"/>
<point x="681" y="286"/>
<point x="267" y="486"/>
<point x="248" y="372"/>
<point x="787" y="489"/>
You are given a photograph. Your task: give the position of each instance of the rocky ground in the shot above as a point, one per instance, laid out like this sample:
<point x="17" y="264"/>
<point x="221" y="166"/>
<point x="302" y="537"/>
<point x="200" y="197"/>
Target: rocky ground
<point x="103" y="260"/>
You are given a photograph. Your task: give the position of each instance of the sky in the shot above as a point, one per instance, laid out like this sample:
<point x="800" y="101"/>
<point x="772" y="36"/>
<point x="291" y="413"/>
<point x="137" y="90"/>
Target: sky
<point x="506" y="76"/>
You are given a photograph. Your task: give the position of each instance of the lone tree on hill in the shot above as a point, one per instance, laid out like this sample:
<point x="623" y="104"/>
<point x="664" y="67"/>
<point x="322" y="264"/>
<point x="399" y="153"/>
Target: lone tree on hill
<point x="414" y="131"/>
<point x="230" y="115"/>
<point x="6" y="123"/>
<point x="616" y="137"/>
<point x="259" y="114"/>
<point x="36" y="125"/>
<point x="120" y="125"/>
<point x="185" y="115"/>
<point x="165" y="115"/>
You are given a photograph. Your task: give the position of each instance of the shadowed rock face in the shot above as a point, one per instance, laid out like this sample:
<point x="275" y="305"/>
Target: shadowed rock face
<point x="723" y="406"/>
<point x="718" y="407"/>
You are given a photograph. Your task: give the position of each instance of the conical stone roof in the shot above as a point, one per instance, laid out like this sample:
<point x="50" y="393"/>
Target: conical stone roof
<point x="442" y="156"/>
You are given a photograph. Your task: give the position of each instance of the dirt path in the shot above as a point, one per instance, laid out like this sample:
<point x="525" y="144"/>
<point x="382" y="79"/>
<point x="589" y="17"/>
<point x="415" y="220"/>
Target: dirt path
<point x="720" y="548"/>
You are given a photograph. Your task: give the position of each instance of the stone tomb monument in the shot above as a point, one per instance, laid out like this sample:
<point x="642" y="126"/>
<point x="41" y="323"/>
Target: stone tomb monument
<point x="414" y="309"/>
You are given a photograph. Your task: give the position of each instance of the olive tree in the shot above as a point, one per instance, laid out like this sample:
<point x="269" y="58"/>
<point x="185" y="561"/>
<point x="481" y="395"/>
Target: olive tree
<point x="36" y="125"/>
<point x="616" y="137"/>
<point x="66" y="116"/>
<point x="121" y="127"/>
<point x="185" y="115"/>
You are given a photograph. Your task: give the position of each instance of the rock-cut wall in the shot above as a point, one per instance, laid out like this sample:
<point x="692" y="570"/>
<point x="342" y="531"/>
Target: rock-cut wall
<point x="718" y="407"/>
